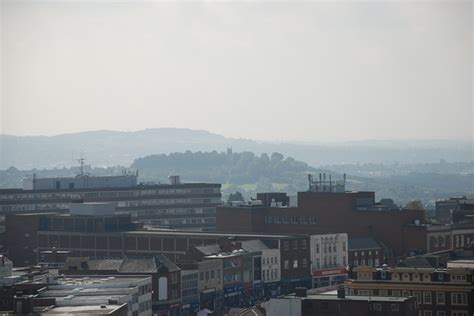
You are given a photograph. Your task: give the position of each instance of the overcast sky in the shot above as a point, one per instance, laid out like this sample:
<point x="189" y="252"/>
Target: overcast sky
<point x="271" y="71"/>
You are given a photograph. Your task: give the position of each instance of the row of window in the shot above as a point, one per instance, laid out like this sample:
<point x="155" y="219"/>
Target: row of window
<point x="286" y="264"/>
<point x="370" y="262"/>
<point x="443" y="313"/>
<point x="286" y="244"/>
<point x="269" y="274"/>
<point x="329" y="262"/>
<point x="210" y="275"/>
<point x="95" y="194"/>
<point x="269" y="260"/>
<point x="362" y="253"/>
<point x="297" y="220"/>
<point x="183" y="221"/>
<point x="425" y="298"/>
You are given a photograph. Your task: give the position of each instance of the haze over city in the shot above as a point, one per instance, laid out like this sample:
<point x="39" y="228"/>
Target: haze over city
<point x="312" y="71"/>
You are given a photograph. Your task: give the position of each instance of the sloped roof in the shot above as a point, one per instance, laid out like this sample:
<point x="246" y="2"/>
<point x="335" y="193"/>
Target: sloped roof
<point x="209" y="249"/>
<point x="419" y="262"/>
<point x="363" y="243"/>
<point x="126" y="265"/>
<point x="145" y="265"/>
<point x="253" y="245"/>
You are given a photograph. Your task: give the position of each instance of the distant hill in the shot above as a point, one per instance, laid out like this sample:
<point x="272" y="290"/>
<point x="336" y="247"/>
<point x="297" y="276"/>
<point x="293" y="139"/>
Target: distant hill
<point x="111" y="148"/>
<point x="250" y="173"/>
<point x="264" y="173"/>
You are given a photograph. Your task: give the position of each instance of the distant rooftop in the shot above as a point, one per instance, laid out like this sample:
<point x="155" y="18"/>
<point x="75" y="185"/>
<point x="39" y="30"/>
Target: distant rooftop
<point x="85" y="310"/>
<point x="362" y="243"/>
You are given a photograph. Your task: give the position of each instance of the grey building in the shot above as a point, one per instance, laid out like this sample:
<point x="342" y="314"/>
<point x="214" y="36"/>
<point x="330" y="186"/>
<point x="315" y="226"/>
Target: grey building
<point x="190" y="206"/>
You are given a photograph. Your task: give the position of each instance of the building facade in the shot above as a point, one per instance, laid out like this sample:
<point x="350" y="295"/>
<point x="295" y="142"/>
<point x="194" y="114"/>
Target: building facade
<point x="329" y="253"/>
<point x="178" y="205"/>
<point x="439" y="292"/>
<point x="354" y="213"/>
<point x="365" y="252"/>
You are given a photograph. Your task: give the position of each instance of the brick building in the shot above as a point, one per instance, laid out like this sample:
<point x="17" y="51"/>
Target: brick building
<point x="439" y="292"/>
<point x="306" y="304"/>
<point x="403" y="232"/>
<point x="455" y="211"/>
<point x="365" y="251"/>
<point x="102" y="236"/>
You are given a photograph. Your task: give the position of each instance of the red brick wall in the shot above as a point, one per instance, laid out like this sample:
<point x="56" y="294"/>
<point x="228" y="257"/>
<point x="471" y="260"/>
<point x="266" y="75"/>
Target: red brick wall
<point x="335" y="213"/>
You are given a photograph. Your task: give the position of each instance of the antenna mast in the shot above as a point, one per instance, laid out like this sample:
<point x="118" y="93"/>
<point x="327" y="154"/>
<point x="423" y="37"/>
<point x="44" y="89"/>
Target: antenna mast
<point x="81" y="162"/>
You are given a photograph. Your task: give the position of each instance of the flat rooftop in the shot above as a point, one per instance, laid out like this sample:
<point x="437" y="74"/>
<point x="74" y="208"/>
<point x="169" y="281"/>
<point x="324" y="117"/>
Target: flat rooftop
<point x="87" y="309"/>
<point x="196" y="233"/>
<point x="96" y="280"/>
<point x="332" y="297"/>
<point x="137" y="187"/>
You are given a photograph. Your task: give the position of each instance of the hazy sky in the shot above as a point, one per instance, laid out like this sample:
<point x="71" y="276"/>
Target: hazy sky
<point x="313" y="71"/>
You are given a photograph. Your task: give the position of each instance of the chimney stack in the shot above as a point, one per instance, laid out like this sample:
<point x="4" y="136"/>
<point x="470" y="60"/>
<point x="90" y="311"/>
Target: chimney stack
<point x="341" y="292"/>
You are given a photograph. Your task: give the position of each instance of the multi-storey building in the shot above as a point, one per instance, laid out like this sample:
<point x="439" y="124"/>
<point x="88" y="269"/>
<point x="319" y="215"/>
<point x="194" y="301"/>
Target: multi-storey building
<point x="439" y="292"/>
<point x="266" y="267"/>
<point x="115" y="295"/>
<point x="303" y="304"/>
<point x="189" y="292"/>
<point x="354" y="213"/>
<point x="365" y="251"/>
<point x="329" y="254"/>
<point x="326" y="208"/>
<point x="455" y="211"/>
<point x="174" y="205"/>
<point x="108" y="236"/>
<point x="165" y="277"/>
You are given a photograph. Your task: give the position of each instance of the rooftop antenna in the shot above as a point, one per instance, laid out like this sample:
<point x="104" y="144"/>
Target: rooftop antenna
<point x="81" y="163"/>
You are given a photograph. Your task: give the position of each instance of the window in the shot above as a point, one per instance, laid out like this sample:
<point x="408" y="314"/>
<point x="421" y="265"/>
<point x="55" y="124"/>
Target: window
<point x="441" y="313"/>
<point x="406" y="293"/>
<point x="458" y="298"/>
<point x="303" y="263"/>
<point x="286" y="245"/>
<point x="383" y="293"/>
<point x="426" y="297"/>
<point x="362" y="262"/>
<point x="427" y="313"/>
<point x="201" y="276"/>
<point x="395" y="307"/>
<point x="440" y="299"/>
<point x="458" y="277"/>
<point x="303" y="244"/>
<point x="356" y="263"/>
<point x="458" y="313"/>
<point x="286" y="264"/>
<point x="212" y="274"/>
<point x="377" y="262"/>
<point x="317" y="248"/>
<point x="396" y="293"/>
<point x="295" y="244"/>
<point x="207" y="275"/>
<point x="436" y="241"/>
<point x="295" y="263"/>
<point x="418" y="296"/>
<point x="377" y="307"/>
<point x="369" y="262"/>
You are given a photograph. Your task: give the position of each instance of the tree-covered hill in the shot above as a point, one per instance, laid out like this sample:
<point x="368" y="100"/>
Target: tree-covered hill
<point x="246" y="170"/>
